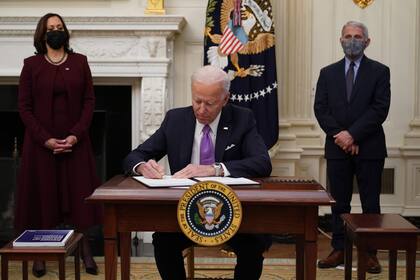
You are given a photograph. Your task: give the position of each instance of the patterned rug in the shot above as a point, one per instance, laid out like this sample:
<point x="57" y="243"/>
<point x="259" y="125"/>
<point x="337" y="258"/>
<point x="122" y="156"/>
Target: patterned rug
<point x="146" y="270"/>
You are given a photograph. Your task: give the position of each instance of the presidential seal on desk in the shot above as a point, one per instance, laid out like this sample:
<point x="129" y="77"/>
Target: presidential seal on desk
<point x="209" y="213"/>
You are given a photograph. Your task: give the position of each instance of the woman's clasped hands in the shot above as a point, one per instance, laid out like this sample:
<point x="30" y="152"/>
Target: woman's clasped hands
<point x="58" y="146"/>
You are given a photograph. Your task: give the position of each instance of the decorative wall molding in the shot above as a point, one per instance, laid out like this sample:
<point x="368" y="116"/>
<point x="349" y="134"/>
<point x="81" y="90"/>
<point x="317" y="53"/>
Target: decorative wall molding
<point x="153" y="105"/>
<point x="146" y="23"/>
<point x="412" y="138"/>
<point x="411" y="148"/>
<point x="297" y="126"/>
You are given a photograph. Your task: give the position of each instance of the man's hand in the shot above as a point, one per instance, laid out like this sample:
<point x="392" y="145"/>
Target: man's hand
<point x="58" y="146"/>
<point x="195" y="170"/>
<point x="353" y="150"/>
<point x="344" y="140"/>
<point x="151" y="170"/>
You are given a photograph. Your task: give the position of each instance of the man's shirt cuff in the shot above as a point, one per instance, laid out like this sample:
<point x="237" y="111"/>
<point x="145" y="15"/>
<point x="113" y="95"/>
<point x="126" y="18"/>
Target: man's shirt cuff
<point x="226" y="172"/>
<point x="135" y="167"/>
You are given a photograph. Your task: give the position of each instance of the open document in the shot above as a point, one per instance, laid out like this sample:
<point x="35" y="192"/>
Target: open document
<point x="228" y="180"/>
<point x="166" y="181"/>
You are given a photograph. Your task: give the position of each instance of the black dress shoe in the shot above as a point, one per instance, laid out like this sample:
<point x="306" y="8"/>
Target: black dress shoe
<point x="373" y="265"/>
<point x="38" y="269"/>
<point x="90" y="266"/>
<point x="334" y="259"/>
<point x="92" y="270"/>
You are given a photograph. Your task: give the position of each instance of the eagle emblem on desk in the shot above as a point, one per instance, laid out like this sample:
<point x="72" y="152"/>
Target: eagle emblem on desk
<point x="210" y="209"/>
<point x="209" y="213"/>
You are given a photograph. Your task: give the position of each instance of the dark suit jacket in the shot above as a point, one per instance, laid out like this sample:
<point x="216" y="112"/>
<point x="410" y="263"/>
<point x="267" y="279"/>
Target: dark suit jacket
<point x="248" y="157"/>
<point x="362" y="116"/>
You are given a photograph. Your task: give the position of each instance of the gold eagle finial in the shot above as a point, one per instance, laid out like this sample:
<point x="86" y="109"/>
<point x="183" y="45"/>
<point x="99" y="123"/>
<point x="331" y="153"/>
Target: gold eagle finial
<point x="363" y="3"/>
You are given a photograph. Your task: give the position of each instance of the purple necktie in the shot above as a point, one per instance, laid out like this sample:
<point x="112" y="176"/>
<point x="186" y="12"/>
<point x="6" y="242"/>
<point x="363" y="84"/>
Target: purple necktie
<point x="206" y="147"/>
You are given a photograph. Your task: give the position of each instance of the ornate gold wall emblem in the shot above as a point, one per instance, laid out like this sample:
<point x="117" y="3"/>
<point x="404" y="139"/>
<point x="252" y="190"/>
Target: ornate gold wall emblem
<point x="363" y="3"/>
<point x="209" y="213"/>
<point x="155" y="7"/>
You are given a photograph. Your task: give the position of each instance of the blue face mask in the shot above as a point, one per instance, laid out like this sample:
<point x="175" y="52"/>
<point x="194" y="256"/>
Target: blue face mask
<point x="353" y="47"/>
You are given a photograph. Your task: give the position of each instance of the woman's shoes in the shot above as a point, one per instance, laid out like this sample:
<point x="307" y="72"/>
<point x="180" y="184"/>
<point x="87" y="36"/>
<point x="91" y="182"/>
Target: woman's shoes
<point x="90" y="265"/>
<point x="38" y="269"/>
<point x="92" y="270"/>
<point x="88" y="261"/>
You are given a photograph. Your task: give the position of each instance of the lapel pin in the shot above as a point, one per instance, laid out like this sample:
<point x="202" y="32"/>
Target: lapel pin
<point x="225" y="128"/>
<point x="67" y="69"/>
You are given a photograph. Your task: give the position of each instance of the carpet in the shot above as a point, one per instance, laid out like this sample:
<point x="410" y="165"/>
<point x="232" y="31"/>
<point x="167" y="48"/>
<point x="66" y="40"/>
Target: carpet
<point x="145" y="269"/>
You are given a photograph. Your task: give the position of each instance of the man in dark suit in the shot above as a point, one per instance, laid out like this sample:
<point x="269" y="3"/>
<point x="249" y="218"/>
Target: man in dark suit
<point x="187" y="135"/>
<point x="351" y="103"/>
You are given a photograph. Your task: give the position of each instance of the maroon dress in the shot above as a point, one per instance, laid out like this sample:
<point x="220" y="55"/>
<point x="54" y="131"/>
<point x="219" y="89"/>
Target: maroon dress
<point x="55" y="102"/>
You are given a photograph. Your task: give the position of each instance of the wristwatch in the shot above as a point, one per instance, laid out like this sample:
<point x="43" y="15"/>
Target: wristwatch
<point x="219" y="169"/>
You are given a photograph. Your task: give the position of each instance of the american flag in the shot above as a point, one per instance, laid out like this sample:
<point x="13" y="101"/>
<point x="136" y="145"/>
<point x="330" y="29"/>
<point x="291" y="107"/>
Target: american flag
<point x="231" y="50"/>
<point x="229" y="43"/>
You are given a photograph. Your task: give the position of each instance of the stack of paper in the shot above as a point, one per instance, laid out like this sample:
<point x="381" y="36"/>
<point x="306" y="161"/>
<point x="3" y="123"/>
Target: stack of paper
<point x="166" y="181"/>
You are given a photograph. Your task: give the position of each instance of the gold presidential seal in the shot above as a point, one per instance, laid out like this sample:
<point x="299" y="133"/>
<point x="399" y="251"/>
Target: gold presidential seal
<point x="209" y="213"/>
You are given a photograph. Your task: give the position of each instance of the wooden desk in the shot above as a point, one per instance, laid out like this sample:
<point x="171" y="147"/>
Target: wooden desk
<point x="274" y="207"/>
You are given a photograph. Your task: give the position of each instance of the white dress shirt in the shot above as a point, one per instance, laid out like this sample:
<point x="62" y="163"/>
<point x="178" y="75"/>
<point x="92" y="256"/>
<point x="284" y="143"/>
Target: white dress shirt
<point x="195" y="153"/>
<point x="198" y="133"/>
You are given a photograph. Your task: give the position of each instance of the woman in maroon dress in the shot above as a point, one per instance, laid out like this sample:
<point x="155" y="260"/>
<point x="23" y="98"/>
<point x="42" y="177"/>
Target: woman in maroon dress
<point x="57" y="172"/>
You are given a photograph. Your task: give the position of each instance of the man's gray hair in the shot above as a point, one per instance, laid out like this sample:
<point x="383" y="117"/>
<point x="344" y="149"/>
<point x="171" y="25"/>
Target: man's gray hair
<point x="209" y="75"/>
<point x="358" y="25"/>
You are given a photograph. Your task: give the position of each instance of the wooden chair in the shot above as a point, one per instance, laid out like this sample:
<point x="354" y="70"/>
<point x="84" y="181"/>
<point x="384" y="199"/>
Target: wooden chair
<point x="379" y="231"/>
<point x="189" y="258"/>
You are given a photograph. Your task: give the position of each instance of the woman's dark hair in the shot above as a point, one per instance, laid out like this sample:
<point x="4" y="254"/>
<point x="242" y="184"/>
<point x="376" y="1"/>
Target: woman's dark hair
<point x="41" y="29"/>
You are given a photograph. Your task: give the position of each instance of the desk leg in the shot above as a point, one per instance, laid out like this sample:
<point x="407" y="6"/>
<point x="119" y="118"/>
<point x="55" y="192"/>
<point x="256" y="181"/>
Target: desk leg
<point x="410" y="259"/>
<point x="300" y="255"/>
<point x="348" y="255"/>
<point x="110" y="259"/>
<point x="362" y="257"/>
<point x="110" y="238"/>
<point x="392" y="264"/>
<point x="310" y="260"/>
<point x="4" y="267"/>
<point x="125" y="248"/>
<point x="24" y="270"/>
<point x="310" y="237"/>
<point x="61" y="268"/>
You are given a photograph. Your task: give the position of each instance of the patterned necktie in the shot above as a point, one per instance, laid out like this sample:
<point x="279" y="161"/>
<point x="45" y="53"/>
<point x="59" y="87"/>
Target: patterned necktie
<point x="206" y="147"/>
<point x="350" y="80"/>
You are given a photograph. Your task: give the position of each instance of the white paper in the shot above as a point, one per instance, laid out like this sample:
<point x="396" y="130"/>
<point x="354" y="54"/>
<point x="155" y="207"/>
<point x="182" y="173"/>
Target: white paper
<point x="228" y="180"/>
<point x="166" y="181"/>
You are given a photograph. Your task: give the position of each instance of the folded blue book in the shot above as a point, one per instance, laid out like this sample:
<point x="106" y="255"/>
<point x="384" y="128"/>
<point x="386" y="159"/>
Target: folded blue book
<point x="43" y="238"/>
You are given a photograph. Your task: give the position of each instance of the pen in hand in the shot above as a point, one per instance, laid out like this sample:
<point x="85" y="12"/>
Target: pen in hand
<point x="151" y="169"/>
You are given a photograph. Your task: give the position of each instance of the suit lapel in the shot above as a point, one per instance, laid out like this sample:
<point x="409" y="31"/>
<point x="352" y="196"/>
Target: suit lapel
<point x="223" y="132"/>
<point x="187" y="139"/>
<point x="360" y="77"/>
